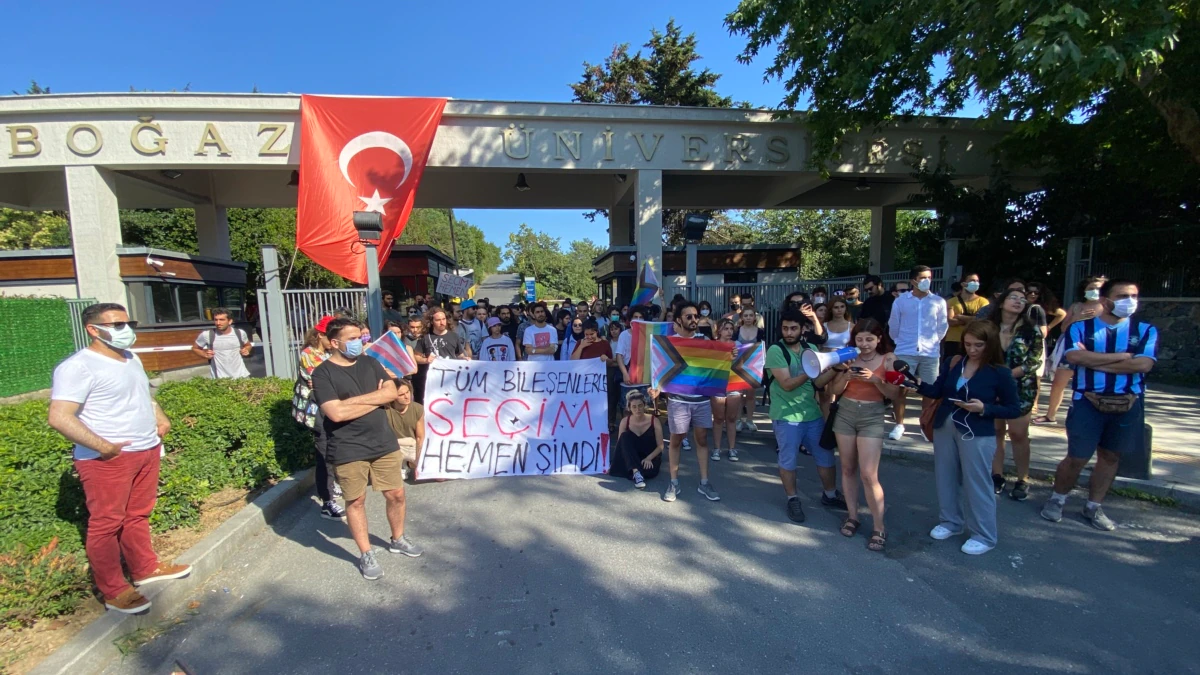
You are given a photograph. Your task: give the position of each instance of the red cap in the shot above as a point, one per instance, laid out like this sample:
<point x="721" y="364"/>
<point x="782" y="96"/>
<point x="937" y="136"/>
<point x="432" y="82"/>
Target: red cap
<point x="323" y="323"/>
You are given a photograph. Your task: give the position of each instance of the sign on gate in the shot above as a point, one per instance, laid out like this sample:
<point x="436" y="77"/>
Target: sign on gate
<point x="516" y="418"/>
<point x="453" y="285"/>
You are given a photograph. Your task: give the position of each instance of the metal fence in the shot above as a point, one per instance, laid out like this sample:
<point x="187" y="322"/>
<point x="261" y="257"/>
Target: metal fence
<point x="76" y="306"/>
<point x="301" y="310"/>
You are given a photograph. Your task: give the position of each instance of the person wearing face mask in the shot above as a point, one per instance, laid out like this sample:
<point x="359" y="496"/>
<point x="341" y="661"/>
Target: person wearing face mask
<point x="1112" y="354"/>
<point x="917" y="325"/>
<point x="735" y="309"/>
<point x="975" y="391"/>
<point x="353" y="393"/>
<point x="1022" y="344"/>
<point x="962" y="310"/>
<point x="1087" y="306"/>
<point x="820" y="296"/>
<point x="308" y="414"/>
<point x="707" y="326"/>
<point x="101" y="402"/>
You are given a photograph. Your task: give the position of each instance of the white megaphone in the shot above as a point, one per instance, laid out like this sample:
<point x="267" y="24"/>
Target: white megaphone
<point x="816" y="363"/>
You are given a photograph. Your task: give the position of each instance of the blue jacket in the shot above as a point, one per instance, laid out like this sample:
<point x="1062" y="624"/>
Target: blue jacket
<point x="994" y="385"/>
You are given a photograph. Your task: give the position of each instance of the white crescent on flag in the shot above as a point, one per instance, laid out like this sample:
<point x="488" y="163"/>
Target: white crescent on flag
<point x="375" y="139"/>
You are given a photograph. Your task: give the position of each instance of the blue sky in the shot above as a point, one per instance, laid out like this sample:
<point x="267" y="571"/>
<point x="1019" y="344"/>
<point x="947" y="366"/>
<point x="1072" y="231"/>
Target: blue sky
<point x="528" y="51"/>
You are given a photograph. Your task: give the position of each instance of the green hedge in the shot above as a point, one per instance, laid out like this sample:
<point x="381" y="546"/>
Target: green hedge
<point x="35" y="335"/>
<point x="224" y="433"/>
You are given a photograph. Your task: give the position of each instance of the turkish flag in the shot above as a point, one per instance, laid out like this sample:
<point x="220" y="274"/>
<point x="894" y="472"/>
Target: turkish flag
<point x="359" y="154"/>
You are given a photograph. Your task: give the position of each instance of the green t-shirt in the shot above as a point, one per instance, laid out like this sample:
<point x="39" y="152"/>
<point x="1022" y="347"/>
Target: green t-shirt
<point x="797" y="405"/>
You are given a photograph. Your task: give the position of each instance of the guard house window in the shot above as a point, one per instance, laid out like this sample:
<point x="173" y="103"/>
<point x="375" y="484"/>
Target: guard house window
<point x="163" y="304"/>
<point x="191" y="303"/>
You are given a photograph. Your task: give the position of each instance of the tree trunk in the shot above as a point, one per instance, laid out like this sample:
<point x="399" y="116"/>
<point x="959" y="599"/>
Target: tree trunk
<point x="1183" y="121"/>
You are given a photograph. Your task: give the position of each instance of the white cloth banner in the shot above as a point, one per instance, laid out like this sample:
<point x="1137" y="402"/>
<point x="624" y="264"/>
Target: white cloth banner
<point x="516" y="418"/>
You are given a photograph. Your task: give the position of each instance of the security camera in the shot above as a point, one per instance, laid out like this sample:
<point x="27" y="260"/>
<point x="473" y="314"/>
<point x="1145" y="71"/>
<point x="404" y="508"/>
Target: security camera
<point x="632" y="257"/>
<point x="156" y="263"/>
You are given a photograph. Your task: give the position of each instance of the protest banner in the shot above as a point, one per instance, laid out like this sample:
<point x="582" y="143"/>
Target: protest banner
<point x="453" y="285"/>
<point x="514" y="418"/>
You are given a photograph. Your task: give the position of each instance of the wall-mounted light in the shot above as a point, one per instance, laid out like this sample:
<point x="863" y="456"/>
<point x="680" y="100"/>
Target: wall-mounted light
<point x="521" y="185"/>
<point x="862" y="185"/>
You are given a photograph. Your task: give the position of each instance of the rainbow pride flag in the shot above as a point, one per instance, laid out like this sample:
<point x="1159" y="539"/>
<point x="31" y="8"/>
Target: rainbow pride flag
<point x="641" y="336"/>
<point x="746" y="372"/>
<point x="690" y="366"/>
<point x="647" y="286"/>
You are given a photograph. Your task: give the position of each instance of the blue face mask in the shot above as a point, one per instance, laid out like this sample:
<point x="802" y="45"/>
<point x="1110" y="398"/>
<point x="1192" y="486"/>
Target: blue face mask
<point x="352" y="349"/>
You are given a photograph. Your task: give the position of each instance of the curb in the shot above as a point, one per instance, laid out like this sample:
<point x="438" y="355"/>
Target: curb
<point x="1188" y="497"/>
<point x="92" y="649"/>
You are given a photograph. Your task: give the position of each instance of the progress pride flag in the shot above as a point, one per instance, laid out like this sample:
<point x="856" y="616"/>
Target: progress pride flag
<point x="514" y="418"/>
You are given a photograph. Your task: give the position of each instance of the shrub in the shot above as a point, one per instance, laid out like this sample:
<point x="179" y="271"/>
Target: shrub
<point x="40" y="584"/>
<point x="224" y="433"/>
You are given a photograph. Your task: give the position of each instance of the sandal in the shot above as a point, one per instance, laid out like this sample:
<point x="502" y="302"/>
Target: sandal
<point x="1042" y="420"/>
<point x="877" y="541"/>
<point x="850" y="527"/>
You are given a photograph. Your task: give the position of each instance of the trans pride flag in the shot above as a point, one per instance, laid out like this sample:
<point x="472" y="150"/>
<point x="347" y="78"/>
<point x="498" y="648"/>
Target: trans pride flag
<point x="746" y="373"/>
<point x="390" y="352"/>
<point x="641" y="336"/>
<point x="647" y="286"/>
<point x="690" y="366"/>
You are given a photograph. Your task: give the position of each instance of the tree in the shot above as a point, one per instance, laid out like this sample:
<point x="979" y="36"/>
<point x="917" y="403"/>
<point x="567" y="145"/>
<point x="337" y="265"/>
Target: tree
<point x="866" y="63"/>
<point x="432" y="227"/>
<point x="20" y="230"/>
<point x="558" y="273"/>
<point x="665" y="77"/>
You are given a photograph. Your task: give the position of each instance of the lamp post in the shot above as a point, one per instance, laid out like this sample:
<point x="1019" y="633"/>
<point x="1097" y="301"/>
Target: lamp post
<point x="694" y="225"/>
<point x="370" y="226"/>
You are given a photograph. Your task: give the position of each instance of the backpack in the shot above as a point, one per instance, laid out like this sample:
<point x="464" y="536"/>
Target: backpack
<point x="243" y="339"/>
<point x="787" y="357"/>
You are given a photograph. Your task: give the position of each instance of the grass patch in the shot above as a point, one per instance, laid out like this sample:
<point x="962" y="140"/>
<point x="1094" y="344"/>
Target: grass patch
<point x="1139" y="495"/>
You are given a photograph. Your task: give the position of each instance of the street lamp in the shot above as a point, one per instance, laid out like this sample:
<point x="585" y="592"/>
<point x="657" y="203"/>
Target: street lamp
<point x="694" y="225"/>
<point x="370" y="228"/>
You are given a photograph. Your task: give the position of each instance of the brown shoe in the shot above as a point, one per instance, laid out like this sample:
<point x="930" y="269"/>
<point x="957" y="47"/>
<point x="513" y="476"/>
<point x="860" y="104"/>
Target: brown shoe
<point x="163" y="572"/>
<point x="128" y="602"/>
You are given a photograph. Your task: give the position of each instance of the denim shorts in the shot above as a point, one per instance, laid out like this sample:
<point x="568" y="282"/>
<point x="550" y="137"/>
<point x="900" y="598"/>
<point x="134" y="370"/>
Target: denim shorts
<point x="1088" y="429"/>
<point x="863" y="419"/>
<point x="681" y="415"/>
<point x="789" y="436"/>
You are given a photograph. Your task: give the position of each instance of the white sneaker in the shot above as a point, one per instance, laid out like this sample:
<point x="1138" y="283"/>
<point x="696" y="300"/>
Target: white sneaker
<point x="738" y="425"/>
<point x="942" y="532"/>
<point x="897" y="432"/>
<point x="715" y="456"/>
<point x="750" y="426"/>
<point x="685" y="445"/>
<point x="733" y="454"/>
<point x="975" y="547"/>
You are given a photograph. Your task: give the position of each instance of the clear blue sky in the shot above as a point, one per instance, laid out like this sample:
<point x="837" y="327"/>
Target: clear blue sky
<point x="527" y="51"/>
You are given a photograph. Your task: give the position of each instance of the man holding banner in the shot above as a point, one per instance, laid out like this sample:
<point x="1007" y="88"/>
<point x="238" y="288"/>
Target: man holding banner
<point x="686" y="411"/>
<point x="352" y="393"/>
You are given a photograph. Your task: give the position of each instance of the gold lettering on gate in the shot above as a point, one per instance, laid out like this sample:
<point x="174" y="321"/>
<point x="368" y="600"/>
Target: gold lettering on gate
<point x="777" y="150"/>
<point x="508" y="134"/>
<point x="268" y="149"/>
<point x="608" y="134"/>
<point x="693" y="146"/>
<point x="562" y="140"/>
<point x="97" y="140"/>
<point x="641" y="141"/>
<point x="148" y="124"/>
<point x="736" y="144"/>
<point x="212" y="138"/>
<point x="23" y="141"/>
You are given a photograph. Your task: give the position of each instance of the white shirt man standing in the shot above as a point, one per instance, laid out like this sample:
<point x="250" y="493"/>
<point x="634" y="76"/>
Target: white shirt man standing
<point x="224" y="347"/>
<point x="917" y="325"/>
<point x="101" y="402"/>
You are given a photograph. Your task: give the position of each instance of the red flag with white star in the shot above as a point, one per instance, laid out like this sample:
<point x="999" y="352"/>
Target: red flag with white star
<point x="359" y="154"/>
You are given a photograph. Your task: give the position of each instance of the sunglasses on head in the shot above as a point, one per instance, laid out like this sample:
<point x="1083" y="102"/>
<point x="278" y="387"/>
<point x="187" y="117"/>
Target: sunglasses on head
<point x="118" y="325"/>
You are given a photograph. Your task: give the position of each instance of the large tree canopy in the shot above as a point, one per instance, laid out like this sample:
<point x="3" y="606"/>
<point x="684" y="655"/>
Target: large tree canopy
<point x="863" y="62"/>
<point x="558" y="273"/>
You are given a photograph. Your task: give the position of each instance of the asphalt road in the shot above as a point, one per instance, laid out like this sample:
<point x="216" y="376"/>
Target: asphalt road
<point x="586" y="574"/>
<point x="500" y="289"/>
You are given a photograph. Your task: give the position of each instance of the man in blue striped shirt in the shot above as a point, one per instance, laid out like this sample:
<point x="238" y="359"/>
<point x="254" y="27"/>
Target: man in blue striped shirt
<point x="1112" y="354"/>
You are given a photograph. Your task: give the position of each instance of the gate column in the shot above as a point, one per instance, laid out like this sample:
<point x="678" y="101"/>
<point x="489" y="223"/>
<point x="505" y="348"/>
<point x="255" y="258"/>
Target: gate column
<point x="648" y="219"/>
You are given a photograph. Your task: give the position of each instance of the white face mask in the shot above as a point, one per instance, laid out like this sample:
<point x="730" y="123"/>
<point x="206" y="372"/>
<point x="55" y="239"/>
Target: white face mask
<point x="972" y="286"/>
<point x="1091" y="294"/>
<point x="704" y="312"/>
<point x="118" y="338"/>
<point x="818" y="299"/>
<point x="1125" y="307"/>
<point x="923" y="285"/>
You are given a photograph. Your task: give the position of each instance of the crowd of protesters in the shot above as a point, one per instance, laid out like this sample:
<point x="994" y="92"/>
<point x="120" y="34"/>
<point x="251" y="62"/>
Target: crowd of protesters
<point x="974" y="361"/>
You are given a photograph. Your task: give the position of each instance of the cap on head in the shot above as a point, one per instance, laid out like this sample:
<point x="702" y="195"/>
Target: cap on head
<point x="467" y="304"/>
<point x="322" y="323"/>
<point x="494" y="321"/>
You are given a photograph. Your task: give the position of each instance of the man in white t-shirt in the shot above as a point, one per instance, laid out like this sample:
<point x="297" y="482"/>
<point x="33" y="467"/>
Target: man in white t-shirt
<point x="540" y="340"/>
<point x="101" y="401"/>
<point x="224" y="347"/>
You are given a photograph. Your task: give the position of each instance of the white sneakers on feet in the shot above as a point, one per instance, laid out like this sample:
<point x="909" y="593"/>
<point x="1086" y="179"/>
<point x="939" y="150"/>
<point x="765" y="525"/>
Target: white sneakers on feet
<point x="976" y="547"/>
<point x="897" y="432"/>
<point x="942" y="532"/>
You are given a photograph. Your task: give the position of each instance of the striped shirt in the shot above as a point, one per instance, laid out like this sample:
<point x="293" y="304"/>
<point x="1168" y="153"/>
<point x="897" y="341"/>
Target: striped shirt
<point x="1136" y="337"/>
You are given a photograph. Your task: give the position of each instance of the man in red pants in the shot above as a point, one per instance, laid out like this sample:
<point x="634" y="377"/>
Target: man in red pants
<point x="101" y="401"/>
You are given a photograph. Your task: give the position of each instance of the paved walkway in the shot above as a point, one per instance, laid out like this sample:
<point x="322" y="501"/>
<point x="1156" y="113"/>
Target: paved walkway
<point x="585" y="574"/>
<point x="1172" y="412"/>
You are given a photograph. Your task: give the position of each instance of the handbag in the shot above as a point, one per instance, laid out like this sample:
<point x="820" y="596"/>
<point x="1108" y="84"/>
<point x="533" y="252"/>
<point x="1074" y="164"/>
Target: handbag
<point x="828" y="439"/>
<point x="929" y="406"/>
<point x="1111" y="404"/>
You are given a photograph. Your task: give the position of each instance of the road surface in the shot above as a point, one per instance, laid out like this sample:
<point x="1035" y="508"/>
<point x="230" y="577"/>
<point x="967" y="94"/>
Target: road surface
<point x="501" y="289"/>
<point x="585" y="574"/>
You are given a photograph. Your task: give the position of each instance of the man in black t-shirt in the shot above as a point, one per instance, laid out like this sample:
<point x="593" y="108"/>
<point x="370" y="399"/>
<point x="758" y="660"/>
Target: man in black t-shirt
<point x="352" y="391"/>
<point x="439" y="341"/>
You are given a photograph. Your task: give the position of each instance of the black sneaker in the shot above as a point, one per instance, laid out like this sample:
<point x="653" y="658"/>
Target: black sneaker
<point x="795" y="512"/>
<point x="1020" y="491"/>
<point x="837" y="501"/>
<point x="998" y="482"/>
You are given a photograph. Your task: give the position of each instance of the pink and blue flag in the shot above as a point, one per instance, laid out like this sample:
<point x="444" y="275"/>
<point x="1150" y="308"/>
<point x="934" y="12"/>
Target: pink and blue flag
<point x="392" y="353"/>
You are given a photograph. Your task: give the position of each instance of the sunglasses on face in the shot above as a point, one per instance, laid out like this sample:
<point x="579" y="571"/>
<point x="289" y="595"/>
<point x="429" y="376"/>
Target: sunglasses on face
<point x="117" y="325"/>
